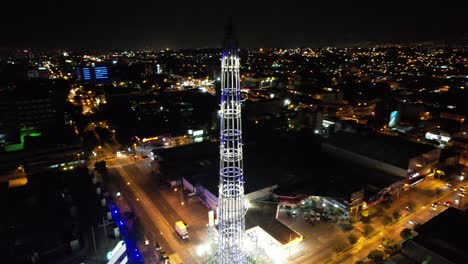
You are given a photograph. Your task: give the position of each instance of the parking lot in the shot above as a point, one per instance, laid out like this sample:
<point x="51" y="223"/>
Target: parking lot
<point x="321" y="227"/>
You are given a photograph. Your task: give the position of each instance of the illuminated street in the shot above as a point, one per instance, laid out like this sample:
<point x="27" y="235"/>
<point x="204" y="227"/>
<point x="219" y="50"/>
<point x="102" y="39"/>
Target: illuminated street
<point x="217" y="132"/>
<point x="159" y="208"/>
<point x="320" y="251"/>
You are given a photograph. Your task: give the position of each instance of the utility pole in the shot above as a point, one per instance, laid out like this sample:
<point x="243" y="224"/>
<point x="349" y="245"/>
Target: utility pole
<point x="94" y="240"/>
<point x="104" y="222"/>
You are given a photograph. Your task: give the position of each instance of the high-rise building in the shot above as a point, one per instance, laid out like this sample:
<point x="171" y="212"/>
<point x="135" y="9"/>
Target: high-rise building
<point x="232" y="207"/>
<point x="31" y="108"/>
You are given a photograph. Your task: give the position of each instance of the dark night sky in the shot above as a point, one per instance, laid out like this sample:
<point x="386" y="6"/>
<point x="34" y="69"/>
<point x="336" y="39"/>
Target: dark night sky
<point x="158" y="24"/>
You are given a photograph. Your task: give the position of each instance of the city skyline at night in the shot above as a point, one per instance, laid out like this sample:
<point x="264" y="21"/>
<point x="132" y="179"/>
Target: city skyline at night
<point x="155" y="25"/>
<point x="132" y="132"/>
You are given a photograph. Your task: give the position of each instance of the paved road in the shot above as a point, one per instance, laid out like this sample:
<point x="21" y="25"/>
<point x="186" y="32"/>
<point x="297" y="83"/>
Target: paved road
<point x="151" y="231"/>
<point x="420" y="215"/>
<point x="319" y="240"/>
<point x="157" y="215"/>
<point x="159" y="209"/>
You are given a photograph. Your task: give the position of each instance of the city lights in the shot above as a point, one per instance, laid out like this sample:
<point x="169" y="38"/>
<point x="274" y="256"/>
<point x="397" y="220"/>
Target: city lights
<point x="356" y="151"/>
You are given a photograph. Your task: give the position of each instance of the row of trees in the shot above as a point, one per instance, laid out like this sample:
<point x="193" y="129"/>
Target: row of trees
<point x="388" y="246"/>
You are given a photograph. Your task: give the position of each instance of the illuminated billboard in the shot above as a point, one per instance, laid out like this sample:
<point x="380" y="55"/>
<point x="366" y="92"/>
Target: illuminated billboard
<point x="98" y="73"/>
<point x="393" y="118"/>
<point x="101" y="73"/>
<point x="86" y="74"/>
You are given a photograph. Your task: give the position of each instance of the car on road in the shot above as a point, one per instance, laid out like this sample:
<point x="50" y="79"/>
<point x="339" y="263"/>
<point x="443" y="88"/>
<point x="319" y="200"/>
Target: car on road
<point x="462" y="189"/>
<point x="164" y="258"/>
<point x="408" y="208"/>
<point x="434" y="205"/>
<point x="292" y="213"/>
<point x="448" y="203"/>
<point x="157" y="247"/>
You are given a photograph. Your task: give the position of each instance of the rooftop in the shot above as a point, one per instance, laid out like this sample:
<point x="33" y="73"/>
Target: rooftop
<point x="294" y="162"/>
<point x="389" y="149"/>
<point x="446" y="235"/>
<point x="263" y="214"/>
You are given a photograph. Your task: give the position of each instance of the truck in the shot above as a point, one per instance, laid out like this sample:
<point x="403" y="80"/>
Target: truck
<point x="181" y="229"/>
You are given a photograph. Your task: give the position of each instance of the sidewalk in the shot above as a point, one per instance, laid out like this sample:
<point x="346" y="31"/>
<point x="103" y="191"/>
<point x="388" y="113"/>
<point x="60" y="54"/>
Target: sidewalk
<point x="103" y="246"/>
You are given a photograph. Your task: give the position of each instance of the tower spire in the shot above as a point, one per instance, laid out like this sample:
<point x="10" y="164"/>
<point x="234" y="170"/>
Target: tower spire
<point x="232" y="208"/>
<point x="231" y="42"/>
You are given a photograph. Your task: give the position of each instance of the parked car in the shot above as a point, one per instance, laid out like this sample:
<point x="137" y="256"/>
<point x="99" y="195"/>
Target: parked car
<point x="292" y="213"/>
<point x="157" y="247"/>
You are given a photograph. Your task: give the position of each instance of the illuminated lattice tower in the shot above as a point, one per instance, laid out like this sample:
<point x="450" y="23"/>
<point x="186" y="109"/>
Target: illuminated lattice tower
<point x="232" y="208"/>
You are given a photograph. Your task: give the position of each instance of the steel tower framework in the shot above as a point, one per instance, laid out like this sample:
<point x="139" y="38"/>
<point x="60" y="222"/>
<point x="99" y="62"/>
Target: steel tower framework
<point x="232" y="207"/>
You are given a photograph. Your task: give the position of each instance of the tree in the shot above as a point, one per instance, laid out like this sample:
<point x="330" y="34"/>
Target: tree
<point x="417" y="227"/>
<point x="339" y="245"/>
<point x="396" y="215"/>
<point x="389" y="246"/>
<point x="426" y="259"/>
<point x="368" y="230"/>
<point x="365" y="220"/>
<point x="359" y="262"/>
<point x="388" y="197"/>
<point x="346" y="227"/>
<point x="406" y="233"/>
<point x="386" y="220"/>
<point x="376" y="255"/>
<point x="352" y="239"/>
<point x="101" y="167"/>
<point x="387" y="204"/>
